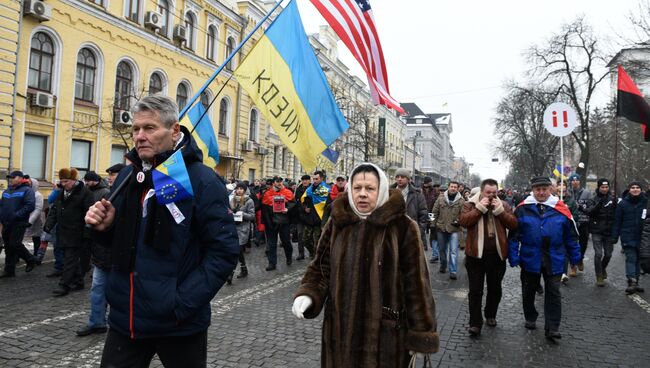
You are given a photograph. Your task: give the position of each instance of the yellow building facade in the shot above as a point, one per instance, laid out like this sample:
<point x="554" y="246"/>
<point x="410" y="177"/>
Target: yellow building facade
<point x="82" y="64"/>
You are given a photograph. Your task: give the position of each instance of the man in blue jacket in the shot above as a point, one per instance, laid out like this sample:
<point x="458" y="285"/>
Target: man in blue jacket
<point x="546" y="234"/>
<point x="17" y="203"/>
<point x="168" y="261"/>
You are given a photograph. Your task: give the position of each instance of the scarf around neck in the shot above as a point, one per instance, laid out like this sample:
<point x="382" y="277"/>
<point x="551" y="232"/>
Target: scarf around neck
<point x="383" y="191"/>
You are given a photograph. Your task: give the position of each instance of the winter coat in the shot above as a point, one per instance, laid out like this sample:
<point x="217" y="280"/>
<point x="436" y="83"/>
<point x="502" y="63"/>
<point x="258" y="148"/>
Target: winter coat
<point x="16" y="205"/>
<point x="446" y="213"/>
<point x="473" y="216"/>
<point x="372" y="279"/>
<point x="416" y="207"/>
<point x="582" y="198"/>
<point x="37" y="216"/>
<point x="552" y="235"/>
<point x="100" y="253"/>
<point x="628" y="222"/>
<point x="297" y="212"/>
<point x="168" y="292"/>
<point x="430" y="197"/>
<point x="644" y="246"/>
<point x="68" y="214"/>
<point x="248" y="217"/>
<point x="601" y="210"/>
<point x="273" y="219"/>
<point x="311" y="218"/>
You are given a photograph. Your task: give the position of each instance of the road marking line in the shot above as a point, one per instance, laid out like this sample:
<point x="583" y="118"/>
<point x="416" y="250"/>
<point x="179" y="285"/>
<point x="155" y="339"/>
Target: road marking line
<point x="43" y="322"/>
<point x="641" y="302"/>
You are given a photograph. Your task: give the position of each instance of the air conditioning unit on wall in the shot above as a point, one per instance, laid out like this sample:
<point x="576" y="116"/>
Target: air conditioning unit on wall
<point x="37" y="9"/>
<point x="123" y="118"/>
<point x="180" y="33"/>
<point x="153" y="20"/>
<point x="42" y="99"/>
<point x="248" y="146"/>
<point x="262" y="151"/>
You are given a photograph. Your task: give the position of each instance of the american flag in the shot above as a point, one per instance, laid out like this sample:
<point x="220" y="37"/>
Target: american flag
<point x="353" y="22"/>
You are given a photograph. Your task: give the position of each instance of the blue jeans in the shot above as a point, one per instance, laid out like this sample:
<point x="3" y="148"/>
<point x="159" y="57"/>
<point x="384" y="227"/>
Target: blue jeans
<point x="448" y="245"/>
<point x="97" y="316"/>
<point x="632" y="267"/>
<point x="435" y="252"/>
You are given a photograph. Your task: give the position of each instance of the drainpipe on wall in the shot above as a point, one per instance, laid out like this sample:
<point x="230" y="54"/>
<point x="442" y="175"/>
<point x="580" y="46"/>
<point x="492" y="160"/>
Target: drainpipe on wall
<point x="237" y="166"/>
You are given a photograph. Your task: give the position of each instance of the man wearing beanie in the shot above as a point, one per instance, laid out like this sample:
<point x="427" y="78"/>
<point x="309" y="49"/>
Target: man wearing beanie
<point x="601" y="208"/>
<point x="545" y="235"/>
<point x="67" y="213"/>
<point x="581" y="196"/>
<point x="416" y="205"/>
<point x="628" y="224"/>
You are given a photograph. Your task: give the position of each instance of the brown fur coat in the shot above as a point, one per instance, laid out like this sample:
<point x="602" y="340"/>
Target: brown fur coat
<point x="364" y="271"/>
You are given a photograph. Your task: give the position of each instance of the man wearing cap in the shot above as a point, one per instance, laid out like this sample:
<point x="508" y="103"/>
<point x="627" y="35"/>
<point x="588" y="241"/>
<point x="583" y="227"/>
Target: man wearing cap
<point x="601" y="209"/>
<point x="67" y="214"/>
<point x="276" y="203"/>
<point x="416" y="205"/>
<point x="112" y="173"/>
<point x="581" y="197"/>
<point x="18" y="201"/>
<point x="545" y="235"/>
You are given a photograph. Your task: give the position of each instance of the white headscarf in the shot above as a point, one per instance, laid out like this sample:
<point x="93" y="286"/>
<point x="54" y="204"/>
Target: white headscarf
<point x="383" y="190"/>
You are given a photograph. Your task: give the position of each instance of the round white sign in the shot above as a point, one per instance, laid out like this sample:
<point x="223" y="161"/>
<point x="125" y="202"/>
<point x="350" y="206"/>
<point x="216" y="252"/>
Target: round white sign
<point x="560" y="119"/>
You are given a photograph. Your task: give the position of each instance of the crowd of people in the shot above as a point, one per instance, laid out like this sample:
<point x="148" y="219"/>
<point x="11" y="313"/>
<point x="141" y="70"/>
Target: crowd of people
<point x="364" y="236"/>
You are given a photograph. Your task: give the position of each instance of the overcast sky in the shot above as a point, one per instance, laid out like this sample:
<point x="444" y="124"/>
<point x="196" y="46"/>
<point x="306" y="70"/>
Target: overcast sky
<point x="461" y="53"/>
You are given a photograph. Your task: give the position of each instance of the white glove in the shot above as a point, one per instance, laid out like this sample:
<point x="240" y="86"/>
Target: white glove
<point x="300" y="305"/>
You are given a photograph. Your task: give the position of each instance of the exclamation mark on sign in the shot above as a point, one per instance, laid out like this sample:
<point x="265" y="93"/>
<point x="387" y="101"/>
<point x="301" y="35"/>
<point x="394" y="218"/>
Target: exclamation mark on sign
<point x="565" y="115"/>
<point x="554" y="119"/>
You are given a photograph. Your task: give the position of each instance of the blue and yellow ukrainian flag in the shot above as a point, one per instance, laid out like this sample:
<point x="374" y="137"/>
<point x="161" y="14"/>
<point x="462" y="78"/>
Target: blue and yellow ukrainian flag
<point x="557" y="172"/>
<point x="203" y="135"/>
<point x="283" y="77"/>
<point x="171" y="180"/>
<point x="318" y="197"/>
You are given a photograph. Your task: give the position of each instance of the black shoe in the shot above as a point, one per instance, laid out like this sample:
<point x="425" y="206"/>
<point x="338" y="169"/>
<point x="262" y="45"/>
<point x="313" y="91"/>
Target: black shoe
<point x="433" y="260"/>
<point x="540" y="290"/>
<point x="443" y="270"/>
<point x="55" y="273"/>
<point x="474" y="331"/>
<point x="552" y="335"/>
<point x="229" y="278"/>
<point x="61" y="291"/>
<point x="6" y="274"/>
<point x="30" y="266"/>
<point x="452" y="276"/>
<point x="270" y="268"/>
<point x="243" y="272"/>
<point x="91" y="330"/>
<point x="289" y="262"/>
<point x="530" y="325"/>
<point x="492" y="322"/>
<point x="300" y="257"/>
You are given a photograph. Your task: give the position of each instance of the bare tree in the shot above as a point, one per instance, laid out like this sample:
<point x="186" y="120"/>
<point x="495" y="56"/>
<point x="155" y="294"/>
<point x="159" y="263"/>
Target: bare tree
<point x="571" y="61"/>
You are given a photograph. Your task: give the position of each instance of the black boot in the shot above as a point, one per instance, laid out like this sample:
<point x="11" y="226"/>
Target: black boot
<point x="229" y="279"/>
<point x="638" y="288"/>
<point x="301" y="256"/>
<point x="243" y="272"/>
<point x="631" y="286"/>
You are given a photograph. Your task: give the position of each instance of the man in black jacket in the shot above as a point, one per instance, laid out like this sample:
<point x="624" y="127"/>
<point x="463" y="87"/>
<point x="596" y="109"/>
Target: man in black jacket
<point x="601" y="209"/>
<point x="17" y="203"/>
<point x="305" y="182"/>
<point x="416" y="204"/>
<point x="67" y="214"/>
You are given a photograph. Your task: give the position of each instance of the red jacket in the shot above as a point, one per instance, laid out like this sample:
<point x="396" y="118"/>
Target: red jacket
<point x="269" y="194"/>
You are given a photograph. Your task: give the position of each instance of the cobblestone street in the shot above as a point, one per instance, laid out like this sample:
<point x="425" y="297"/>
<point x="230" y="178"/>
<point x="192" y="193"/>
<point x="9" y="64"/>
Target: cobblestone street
<point x="252" y="324"/>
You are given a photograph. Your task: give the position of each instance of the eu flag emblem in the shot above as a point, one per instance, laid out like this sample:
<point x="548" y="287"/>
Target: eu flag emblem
<point x="171" y="180"/>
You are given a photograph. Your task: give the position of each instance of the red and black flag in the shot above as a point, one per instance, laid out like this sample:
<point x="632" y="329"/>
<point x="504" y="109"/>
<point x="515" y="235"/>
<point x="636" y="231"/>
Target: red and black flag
<point x="631" y="104"/>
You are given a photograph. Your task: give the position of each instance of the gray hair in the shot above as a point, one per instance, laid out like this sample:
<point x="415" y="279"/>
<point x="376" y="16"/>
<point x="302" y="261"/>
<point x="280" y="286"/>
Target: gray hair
<point x="165" y="107"/>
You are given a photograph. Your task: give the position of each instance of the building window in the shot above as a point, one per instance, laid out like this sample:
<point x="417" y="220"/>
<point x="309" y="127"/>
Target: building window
<point x="276" y="156"/>
<point x="123" y="83"/>
<point x="181" y="96"/>
<point x="205" y="99"/>
<point x="251" y="175"/>
<point x="223" y="116"/>
<point x="133" y="10"/>
<point x="163" y="9"/>
<point x="253" y="126"/>
<point x="212" y="37"/>
<point x="80" y="156"/>
<point x="418" y="133"/>
<point x="34" y="155"/>
<point x="189" y="25"/>
<point x="84" y="88"/>
<point x="117" y="155"/>
<point x="230" y="46"/>
<point x="41" y="62"/>
<point x="155" y="84"/>
<point x="284" y="158"/>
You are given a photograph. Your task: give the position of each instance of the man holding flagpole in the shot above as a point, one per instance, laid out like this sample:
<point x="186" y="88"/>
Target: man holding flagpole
<point x="173" y="240"/>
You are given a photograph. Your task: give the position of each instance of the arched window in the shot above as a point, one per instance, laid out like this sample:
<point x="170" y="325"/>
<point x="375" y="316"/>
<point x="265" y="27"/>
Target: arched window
<point x="205" y="99"/>
<point x="163" y="9"/>
<point x="155" y="84"/>
<point x="123" y="86"/>
<point x="189" y="25"/>
<point x="84" y="87"/>
<point x="212" y="37"/>
<point x="41" y="62"/>
<point x="223" y="116"/>
<point x="181" y="95"/>
<point x="252" y="126"/>
<point x="230" y="46"/>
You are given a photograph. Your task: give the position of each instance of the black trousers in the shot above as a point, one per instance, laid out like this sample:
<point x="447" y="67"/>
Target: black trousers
<point x="12" y="236"/>
<point x="583" y="238"/>
<point x="492" y="269"/>
<point x="552" y="298"/>
<point x="176" y="351"/>
<point x="72" y="274"/>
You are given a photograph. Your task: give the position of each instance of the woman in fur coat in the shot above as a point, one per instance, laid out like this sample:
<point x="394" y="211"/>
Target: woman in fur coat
<point x="371" y="277"/>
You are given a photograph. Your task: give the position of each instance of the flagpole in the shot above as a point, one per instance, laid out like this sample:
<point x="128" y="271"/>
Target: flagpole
<point x="616" y="124"/>
<point x="197" y="95"/>
<point x="562" y="166"/>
